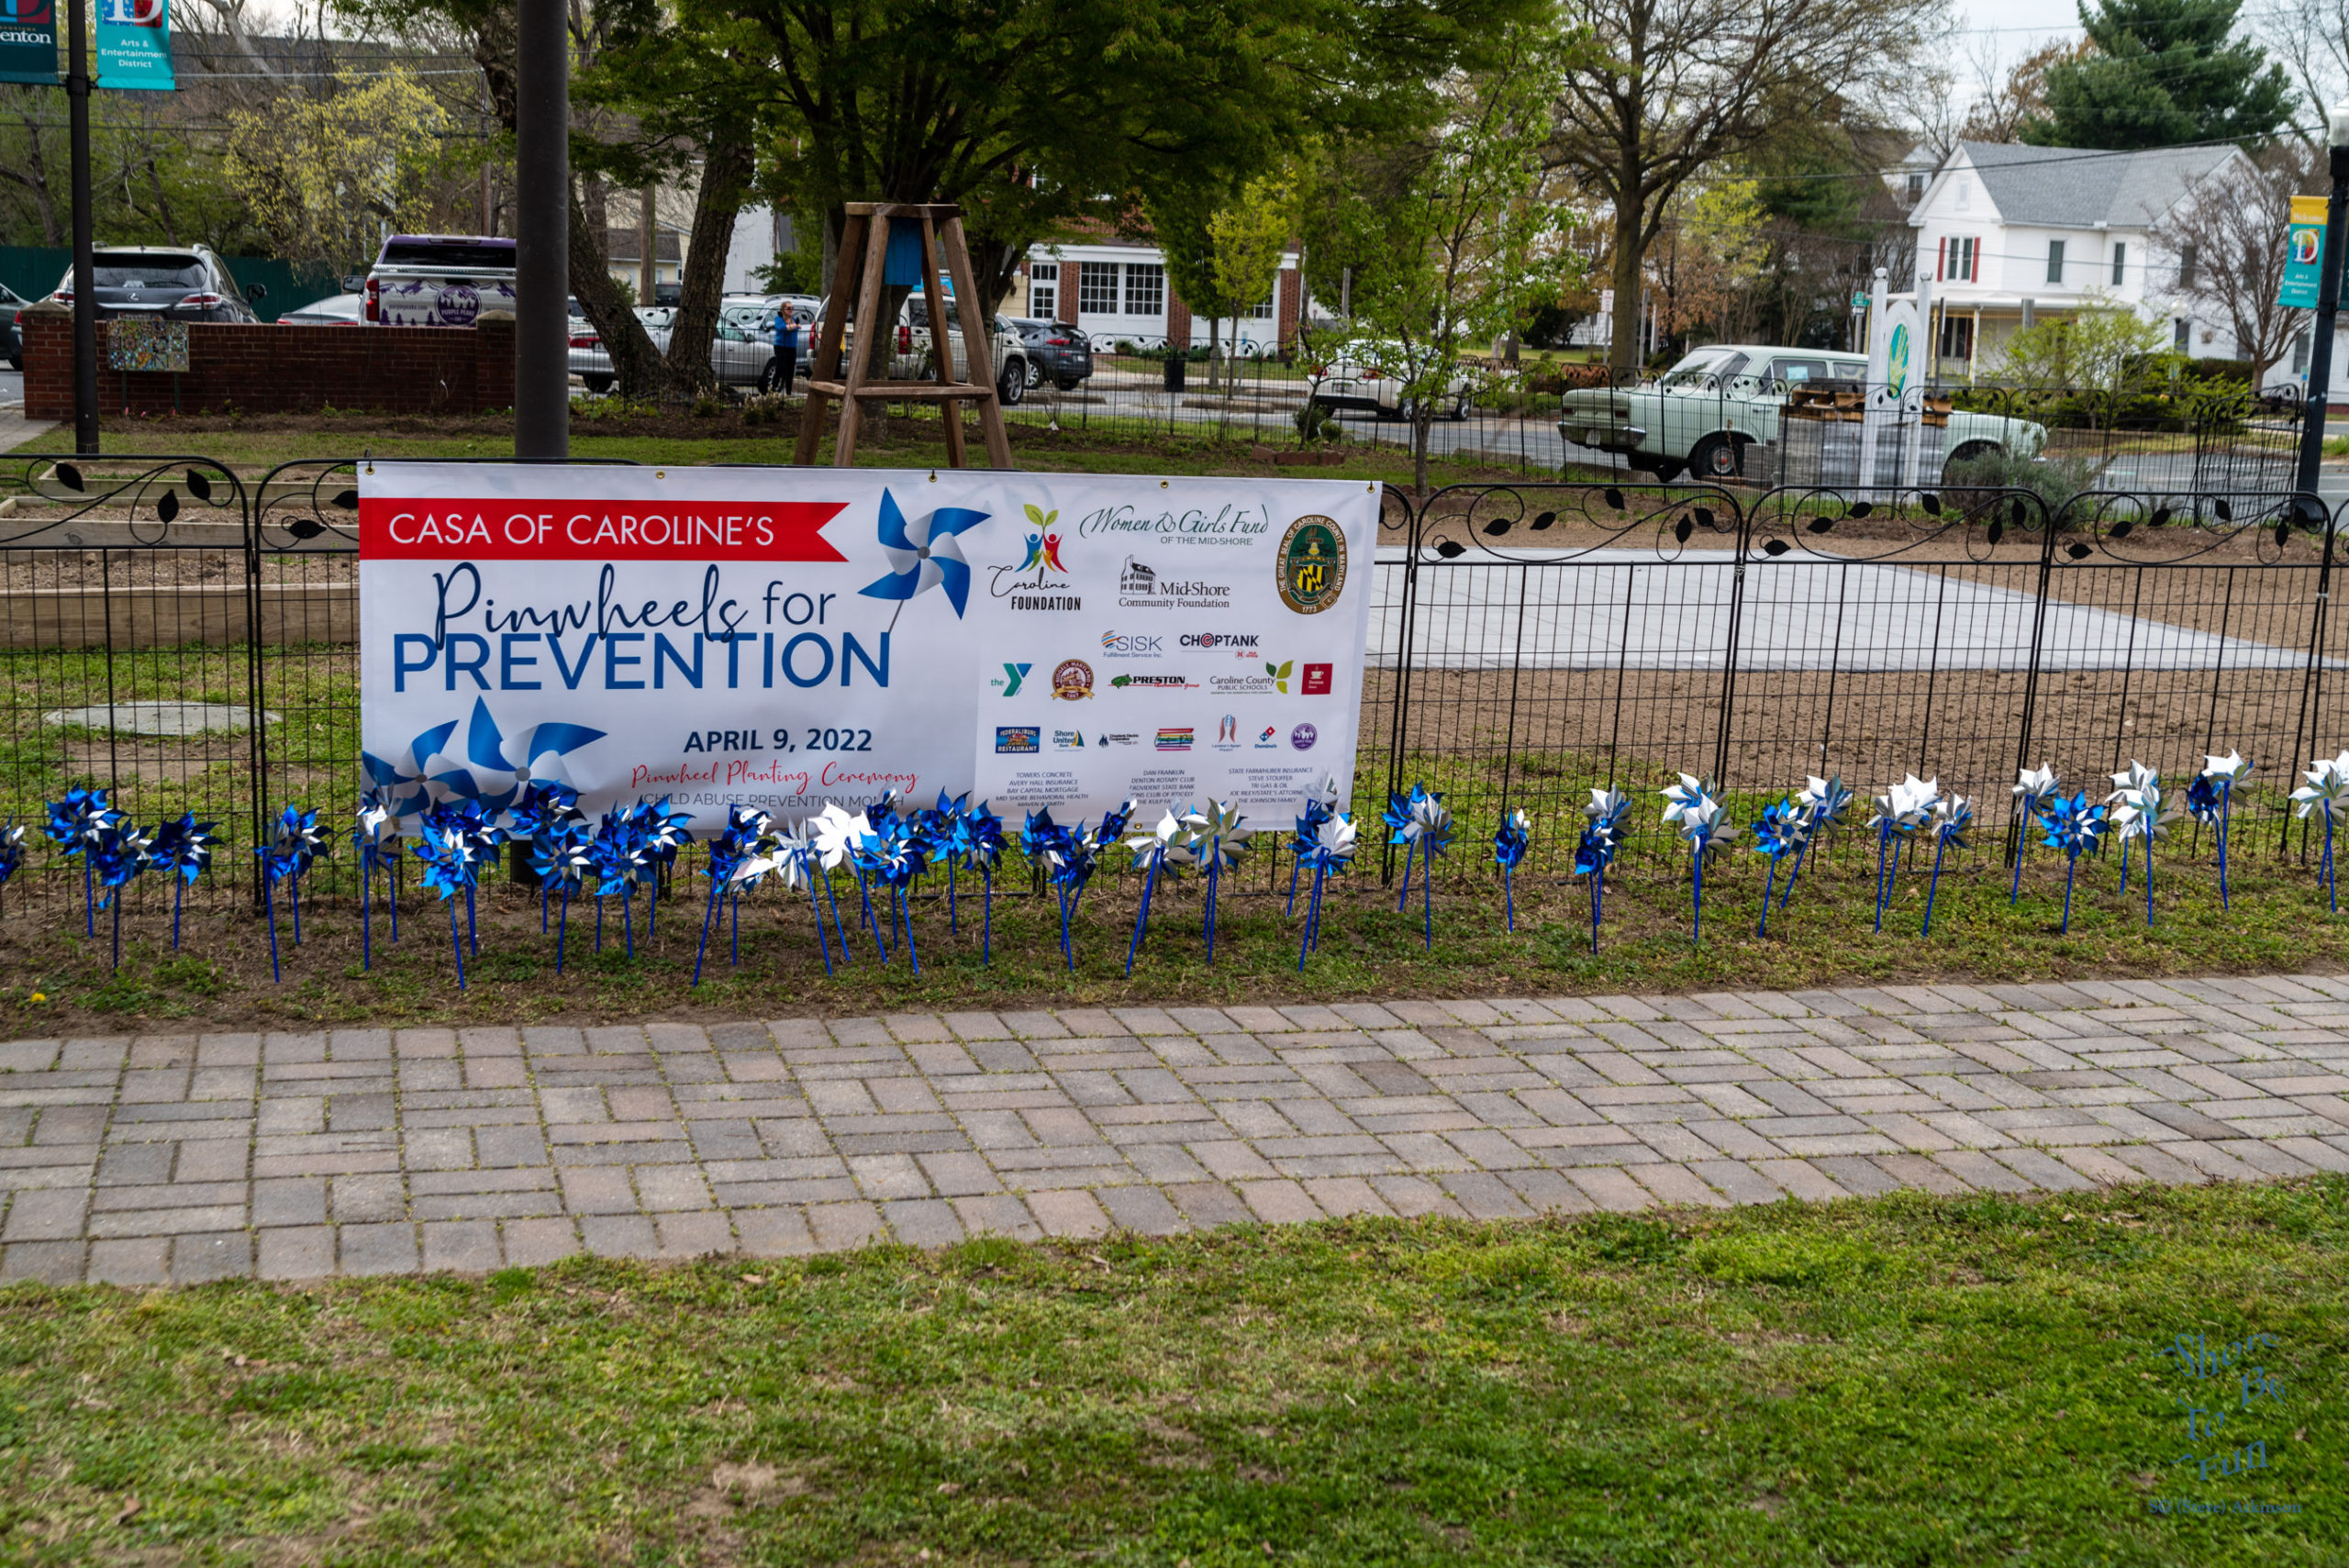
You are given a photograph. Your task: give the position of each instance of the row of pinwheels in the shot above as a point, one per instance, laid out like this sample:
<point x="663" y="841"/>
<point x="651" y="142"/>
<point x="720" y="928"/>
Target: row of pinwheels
<point x="2138" y="811"/>
<point x="113" y="853"/>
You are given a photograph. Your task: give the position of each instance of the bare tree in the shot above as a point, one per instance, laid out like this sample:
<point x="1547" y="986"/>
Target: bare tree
<point x="2234" y="221"/>
<point x="1684" y="87"/>
<point x="2311" y="37"/>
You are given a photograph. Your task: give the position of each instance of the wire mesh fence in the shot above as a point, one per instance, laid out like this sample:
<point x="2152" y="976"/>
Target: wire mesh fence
<point x="186" y="637"/>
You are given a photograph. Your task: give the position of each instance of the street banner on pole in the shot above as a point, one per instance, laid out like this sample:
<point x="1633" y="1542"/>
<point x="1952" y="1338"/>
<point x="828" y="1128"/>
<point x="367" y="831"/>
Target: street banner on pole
<point x="135" y="45"/>
<point x="2303" y="254"/>
<point x="785" y="638"/>
<point x="29" y="42"/>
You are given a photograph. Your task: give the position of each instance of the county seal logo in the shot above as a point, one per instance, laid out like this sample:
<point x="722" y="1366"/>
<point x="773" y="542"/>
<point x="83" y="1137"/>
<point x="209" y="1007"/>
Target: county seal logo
<point x="1312" y="565"/>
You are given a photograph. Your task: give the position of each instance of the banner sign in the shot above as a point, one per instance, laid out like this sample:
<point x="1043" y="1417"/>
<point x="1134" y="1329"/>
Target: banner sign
<point x="29" y="42"/>
<point x="2303" y="252"/>
<point x="785" y="638"/>
<point x="135" y="45"/>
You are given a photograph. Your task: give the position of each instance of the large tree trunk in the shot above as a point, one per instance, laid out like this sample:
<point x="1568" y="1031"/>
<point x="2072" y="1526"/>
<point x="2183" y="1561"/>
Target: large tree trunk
<point x="1624" y="352"/>
<point x="636" y="362"/>
<point x="725" y="176"/>
<point x="1422" y="420"/>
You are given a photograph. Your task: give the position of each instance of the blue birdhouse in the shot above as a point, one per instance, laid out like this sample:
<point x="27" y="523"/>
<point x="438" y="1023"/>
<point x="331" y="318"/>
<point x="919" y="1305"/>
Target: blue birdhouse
<point x="902" y="266"/>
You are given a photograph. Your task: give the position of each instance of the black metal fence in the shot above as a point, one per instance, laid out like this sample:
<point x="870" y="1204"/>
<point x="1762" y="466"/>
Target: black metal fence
<point x="185" y="635"/>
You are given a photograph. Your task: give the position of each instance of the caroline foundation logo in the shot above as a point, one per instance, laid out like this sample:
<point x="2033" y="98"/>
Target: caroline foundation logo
<point x="1030" y="582"/>
<point x="1312" y="565"/>
<point x="1072" y="680"/>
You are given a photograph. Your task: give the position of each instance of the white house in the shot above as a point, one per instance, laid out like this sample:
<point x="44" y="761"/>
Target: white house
<point x="2010" y="234"/>
<point x="1117" y="289"/>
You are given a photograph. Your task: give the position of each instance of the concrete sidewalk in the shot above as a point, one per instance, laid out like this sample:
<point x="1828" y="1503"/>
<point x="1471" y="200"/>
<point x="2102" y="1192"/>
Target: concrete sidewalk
<point x="294" y="1156"/>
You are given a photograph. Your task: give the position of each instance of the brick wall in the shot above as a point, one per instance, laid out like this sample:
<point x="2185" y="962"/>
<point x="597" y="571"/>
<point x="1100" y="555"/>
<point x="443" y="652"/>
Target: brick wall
<point x="283" y="370"/>
<point x="1288" y="304"/>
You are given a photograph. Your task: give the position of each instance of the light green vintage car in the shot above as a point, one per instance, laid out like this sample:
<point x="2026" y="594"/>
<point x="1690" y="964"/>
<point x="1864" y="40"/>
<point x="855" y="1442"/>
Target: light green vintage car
<point x="1703" y="412"/>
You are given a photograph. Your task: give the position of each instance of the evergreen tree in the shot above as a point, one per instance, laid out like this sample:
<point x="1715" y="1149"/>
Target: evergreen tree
<point x="2161" y="72"/>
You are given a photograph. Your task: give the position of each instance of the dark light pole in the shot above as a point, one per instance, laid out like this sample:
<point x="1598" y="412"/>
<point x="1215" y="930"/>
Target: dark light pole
<point x="542" y="231"/>
<point x="2328" y="308"/>
<point x="85" y="286"/>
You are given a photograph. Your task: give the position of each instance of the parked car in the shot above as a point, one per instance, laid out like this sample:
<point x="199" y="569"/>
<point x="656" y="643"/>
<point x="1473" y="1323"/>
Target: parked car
<point x="738" y="357"/>
<point x="1012" y="376"/>
<point x="12" y="332"/>
<point x="439" y="280"/>
<point x="1368" y="374"/>
<point x="335" y="310"/>
<point x="163" y="283"/>
<point x="1705" y="411"/>
<point x="1056" y="350"/>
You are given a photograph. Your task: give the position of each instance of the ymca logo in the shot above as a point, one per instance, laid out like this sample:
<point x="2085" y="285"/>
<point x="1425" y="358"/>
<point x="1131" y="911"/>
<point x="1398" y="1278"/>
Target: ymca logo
<point x="1013" y="674"/>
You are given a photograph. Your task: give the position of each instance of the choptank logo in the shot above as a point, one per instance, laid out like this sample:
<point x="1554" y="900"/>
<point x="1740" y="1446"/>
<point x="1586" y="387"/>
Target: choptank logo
<point x="1030" y="582"/>
<point x="1219" y="640"/>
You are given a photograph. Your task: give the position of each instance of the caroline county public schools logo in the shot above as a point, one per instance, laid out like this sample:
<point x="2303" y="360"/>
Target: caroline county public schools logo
<point x="1312" y="565"/>
<point x="1072" y="680"/>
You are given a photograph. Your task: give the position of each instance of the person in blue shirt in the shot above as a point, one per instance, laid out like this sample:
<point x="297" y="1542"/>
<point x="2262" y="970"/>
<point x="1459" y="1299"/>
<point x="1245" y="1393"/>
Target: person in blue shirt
<point x="786" y="350"/>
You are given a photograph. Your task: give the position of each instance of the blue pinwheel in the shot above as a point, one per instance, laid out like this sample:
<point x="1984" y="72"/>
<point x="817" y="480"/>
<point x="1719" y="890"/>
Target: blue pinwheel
<point x="73" y="824"/>
<point x="2144" y="812"/>
<point x="475" y="822"/>
<point x="892" y="855"/>
<point x="621" y="859"/>
<point x="1218" y="836"/>
<point x="1070" y="865"/>
<point x="945" y="832"/>
<point x="924" y="554"/>
<point x="183" y="851"/>
<point x="1402" y="828"/>
<point x="293" y="842"/>
<point x="1823" y="802"/>
<point x="1431" y="831"/>
<point x="739" y="857"/>
<point x="542" y="806"/>
<point x="1332" y="851"/>
<point x="452" y="861"/>
<point x="374" y="834"/>
<point x="117" y="854"/>
<point x="1510" y="841"/>
<point x="2034" y="788"/>
<point x="2326" y="791"/>
<point x="12" y="854"/>
<point x="1901" y="813"/>
<point x="1164" y="849"/>
<point x="663" y="831"/>
<point x="1318" y="808"/>
<point x="1953" y="817"/>
<point x="985" y="830"/>
<point x="1602" y="835"/>
<point x="1705" y="826"/>
<point x="560" y="860"/>
<point x="1782" y="830"/>
<point x="2211" y="797"/>
<point x="2072" y="826"/>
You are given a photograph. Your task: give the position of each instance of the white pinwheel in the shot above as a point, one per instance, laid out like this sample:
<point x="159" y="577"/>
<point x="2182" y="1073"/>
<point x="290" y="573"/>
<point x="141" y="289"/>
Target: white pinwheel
<point x="2231" y="769"/>
<point x="2035" y="785"/>
<point x="835" y="835"/>
<point x="1679" y="799"/>
<point x="924" y="554"/>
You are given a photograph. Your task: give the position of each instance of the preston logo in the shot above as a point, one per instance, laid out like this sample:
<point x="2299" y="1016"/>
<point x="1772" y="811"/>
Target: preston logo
<point x="1072" y="680"/>
<point x="1312" y="565"/>
<point x="1021" y="739"/>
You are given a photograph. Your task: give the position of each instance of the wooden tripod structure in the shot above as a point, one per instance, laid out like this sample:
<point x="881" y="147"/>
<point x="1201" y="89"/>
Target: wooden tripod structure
<point x="867" y="255"/>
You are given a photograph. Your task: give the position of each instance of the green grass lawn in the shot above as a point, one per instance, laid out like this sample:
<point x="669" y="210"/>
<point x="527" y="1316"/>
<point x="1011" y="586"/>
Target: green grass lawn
<point x="1911" y="1381"/>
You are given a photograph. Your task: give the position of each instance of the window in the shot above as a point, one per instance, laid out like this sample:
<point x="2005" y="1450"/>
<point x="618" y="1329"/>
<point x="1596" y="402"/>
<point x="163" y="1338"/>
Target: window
<point x="1799" y="372"/>
<point x="1097" y="288"/>
<point x="2181" y="335"/>
<point x="1965" y="195"/>
<point x="1916" y="189"/>
<point x="469" y="255"/>
<point x="1957" y="337"/>
<point x="1145" y="289"/>
<point x="2119" y="260"/>
<point x="2186" y="257"/>
<point x="1263" y="311"/>
<point x="1044" y="289"/>
<point x="2301" y="353"/>
<point x="2055" y="261"/>
<point x="1960" y="260"/>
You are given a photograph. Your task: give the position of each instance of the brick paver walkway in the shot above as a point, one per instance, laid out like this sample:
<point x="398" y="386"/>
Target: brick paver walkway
<point x="294" y="1156"/>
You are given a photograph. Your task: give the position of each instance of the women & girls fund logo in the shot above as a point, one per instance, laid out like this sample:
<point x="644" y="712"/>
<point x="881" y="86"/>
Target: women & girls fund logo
<point x="1040" y="554"/>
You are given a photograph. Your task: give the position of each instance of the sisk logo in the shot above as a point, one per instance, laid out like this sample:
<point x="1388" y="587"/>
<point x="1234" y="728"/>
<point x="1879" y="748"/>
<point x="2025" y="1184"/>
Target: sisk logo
<point x="1132" y="645"/>
<point x="1013" y="675"/>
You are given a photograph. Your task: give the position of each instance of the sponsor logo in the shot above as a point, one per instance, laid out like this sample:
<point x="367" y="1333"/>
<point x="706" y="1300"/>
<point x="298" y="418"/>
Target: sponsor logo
<point x="1013" y="675"/>
<point x="1317" y="681"/>
<point x="456" y="305"/>
<point x="1269" y="739"/>
<point x="1219" y="640"/>
<point x="1157" y="682"/>
<point x="1125" y="738"/>
<point x="1071" y="679"/>
<point x="1029" y="580"/>
<point x="1068" y="740"/>
<point x="1131" y="645"/>
<point x="1135" y="577"/>
<point x="1303" y="737"/>
<point x="1174" y="739"/>
<point x="1228" y="730"/>
<point x="1255" y="682"/>
<point x="1139" y="586"/>
<point x="1312" y="564"/>
<point x="1021" y="739"/>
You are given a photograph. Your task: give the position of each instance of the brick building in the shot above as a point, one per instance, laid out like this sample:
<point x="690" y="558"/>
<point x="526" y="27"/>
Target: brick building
<point x="1117" y="289"/>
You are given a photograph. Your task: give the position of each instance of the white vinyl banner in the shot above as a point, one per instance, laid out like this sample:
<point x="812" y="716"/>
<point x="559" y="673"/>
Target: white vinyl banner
<point x="782" y="637"/>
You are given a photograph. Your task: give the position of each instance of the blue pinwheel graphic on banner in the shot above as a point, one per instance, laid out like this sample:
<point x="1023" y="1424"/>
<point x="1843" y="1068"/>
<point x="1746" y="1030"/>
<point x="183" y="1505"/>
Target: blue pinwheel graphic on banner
<point x="924" y="554"/>
<point x="490" y="766"/>
<point x="403" y="780"/>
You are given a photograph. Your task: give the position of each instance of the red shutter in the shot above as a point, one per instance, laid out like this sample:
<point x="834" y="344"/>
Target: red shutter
<point x="1941" y="259"/>
<point x="1973" y="260"/>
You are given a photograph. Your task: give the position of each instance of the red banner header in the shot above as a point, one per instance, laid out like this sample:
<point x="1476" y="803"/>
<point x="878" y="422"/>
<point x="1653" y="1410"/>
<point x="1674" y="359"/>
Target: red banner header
<point x="541" y="530"/>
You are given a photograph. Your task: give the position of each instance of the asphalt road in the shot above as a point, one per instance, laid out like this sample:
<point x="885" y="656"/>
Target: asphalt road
<point x="12" y="387"/>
